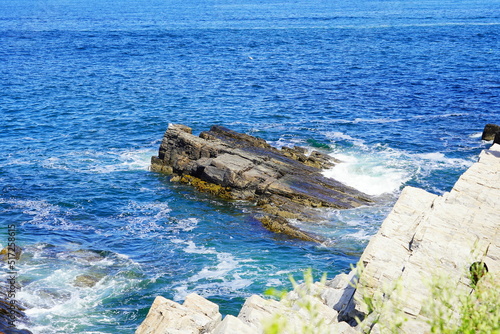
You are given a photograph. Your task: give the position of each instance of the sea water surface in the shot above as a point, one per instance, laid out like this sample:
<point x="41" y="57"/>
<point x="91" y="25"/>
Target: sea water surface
<point x="398" y="90"/>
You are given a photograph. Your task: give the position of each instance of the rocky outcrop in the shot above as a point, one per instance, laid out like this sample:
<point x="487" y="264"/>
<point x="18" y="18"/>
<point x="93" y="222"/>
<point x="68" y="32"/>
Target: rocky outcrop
<point x="314" y="306"/>
<point x="427" y="236"/>
<point x="424" y="236"/>
<point x="285" y="184"/>
<point x="490" y="131"/>
<point x="196" y="315"/>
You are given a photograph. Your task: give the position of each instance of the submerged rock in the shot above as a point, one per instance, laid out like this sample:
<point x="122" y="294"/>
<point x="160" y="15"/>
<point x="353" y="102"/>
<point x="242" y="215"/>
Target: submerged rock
<point x="286" y="184"/>
<point x="11" y="253"/>
<point x="86" y="281"/>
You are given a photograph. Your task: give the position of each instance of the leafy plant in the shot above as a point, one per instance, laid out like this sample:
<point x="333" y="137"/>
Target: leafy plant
<point x="303" y="305"/>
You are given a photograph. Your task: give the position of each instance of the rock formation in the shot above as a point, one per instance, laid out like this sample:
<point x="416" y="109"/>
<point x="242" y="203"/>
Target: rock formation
<point x="425" y="235"/>
<point x="285" y="184"/>
<point x="490" y="131"/>
<point x="428" y="236"/>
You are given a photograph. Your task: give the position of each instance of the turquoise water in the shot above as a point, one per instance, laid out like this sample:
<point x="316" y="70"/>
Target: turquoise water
<point x="399" y="91"/>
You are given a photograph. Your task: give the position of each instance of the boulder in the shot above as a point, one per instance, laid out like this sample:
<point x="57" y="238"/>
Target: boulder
<point x="489" y="132"/>
<point x="196" y="316"/>
<point x="86" y="280"/>
<point x="286" y="184"/>
<point x="231" y="324"/>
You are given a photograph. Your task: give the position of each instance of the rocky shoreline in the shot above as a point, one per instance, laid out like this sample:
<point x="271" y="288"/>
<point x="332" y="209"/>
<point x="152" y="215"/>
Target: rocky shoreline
<point x="284" y="184"/>
<point x="425" y="235"/>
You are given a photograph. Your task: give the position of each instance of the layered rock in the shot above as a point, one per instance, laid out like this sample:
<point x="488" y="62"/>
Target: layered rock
<point x="285" y="184"/>
<point x="427" y="236"/>
<point x="308" y="305"/>
<point x="424" y="236"/>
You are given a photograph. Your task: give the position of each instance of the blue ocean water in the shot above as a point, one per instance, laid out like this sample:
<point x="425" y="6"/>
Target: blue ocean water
<point x="398" y="90"/>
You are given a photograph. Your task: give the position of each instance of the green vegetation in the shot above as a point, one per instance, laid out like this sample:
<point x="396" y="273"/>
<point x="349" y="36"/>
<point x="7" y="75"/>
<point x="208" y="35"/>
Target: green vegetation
<point x="449" y="310"/>
<point x="477" y="312"/>
<point x="307" y="316"/>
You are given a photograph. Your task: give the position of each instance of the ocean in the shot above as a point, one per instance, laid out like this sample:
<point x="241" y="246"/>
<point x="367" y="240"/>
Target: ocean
<point x="398" y="90"/>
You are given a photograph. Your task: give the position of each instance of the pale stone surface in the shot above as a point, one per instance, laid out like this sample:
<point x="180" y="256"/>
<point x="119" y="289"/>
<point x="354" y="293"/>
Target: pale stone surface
<point x="425" y="235"/>
<point x="196" y="316"/>
<point x="231" y="324"/>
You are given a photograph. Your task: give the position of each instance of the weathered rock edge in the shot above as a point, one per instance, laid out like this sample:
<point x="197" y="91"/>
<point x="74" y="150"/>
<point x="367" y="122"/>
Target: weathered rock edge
<point x="285" y="184"/>
<point x="424" y="235"/>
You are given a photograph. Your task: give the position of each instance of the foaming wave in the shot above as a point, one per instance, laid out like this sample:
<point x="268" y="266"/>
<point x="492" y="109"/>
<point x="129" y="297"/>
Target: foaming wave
<point x="64" y="294"/>
<point x="438" y="159"/>
<point x="221" y="275"/>
<point x="137" y="159"/>
<point x="377" y="120"/>
<point x="476" y="135"/>
<point x="123" y="161"/>
<point x="348" y="230"/>
<point x="99" y="162"/>
<point x="370" y="174"/>
<point x="142" y="220"/>
<point x="45" y="215"/>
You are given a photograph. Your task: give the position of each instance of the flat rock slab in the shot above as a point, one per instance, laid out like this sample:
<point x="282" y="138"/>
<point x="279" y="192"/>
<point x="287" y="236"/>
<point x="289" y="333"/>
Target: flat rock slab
<point x="285" y="184"/>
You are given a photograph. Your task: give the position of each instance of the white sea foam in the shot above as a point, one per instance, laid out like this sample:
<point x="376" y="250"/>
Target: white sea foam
<point x="226" y="263"/>
<point x="368" y="174"/>
<point x="192" y="248"/>
<point x="100" y="162"/>
<point x="220" y="276"/>
<point x="188" y="224"/>
<point x="137" y="159"/>
<point x="340" y="136"/>
<point x="377" y="120"/>
<point x="45" y="215"/>
<point x="55" y="303"/>
<point x="359" y="235"/>
<point x="439" y="160"/>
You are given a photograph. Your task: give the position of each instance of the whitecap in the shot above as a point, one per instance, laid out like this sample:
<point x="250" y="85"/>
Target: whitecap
<point x="192" y="248"/>
<point x="438" y="159"/>
<point x="369" y="174"/>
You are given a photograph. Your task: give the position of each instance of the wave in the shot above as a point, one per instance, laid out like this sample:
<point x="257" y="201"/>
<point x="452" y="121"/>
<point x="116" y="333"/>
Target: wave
<point x="223" y="275"/>
<point x="63" y="288"/>
<point x="45" y="215"/>
<point x="92" y="161"/>
<point x="371" y="174"/>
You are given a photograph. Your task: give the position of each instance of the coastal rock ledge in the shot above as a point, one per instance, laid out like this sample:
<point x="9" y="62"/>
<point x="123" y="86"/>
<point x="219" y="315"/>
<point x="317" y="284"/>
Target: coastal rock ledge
<point x="285" y="184"/>
<point x="424" y="236"/>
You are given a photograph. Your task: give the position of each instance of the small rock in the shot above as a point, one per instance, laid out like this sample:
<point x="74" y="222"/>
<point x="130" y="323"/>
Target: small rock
<point x="86" y="281"/>
<point x="11" y="253"/>
<point x="489" y="131"/>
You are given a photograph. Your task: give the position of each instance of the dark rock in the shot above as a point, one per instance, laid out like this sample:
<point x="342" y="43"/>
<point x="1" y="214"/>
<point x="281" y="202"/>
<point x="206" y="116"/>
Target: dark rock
<point x="496" y="140"/>
<point x="489" y="131"/>
<point x="10" y="310"/>
<point x="285" y="184"/>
